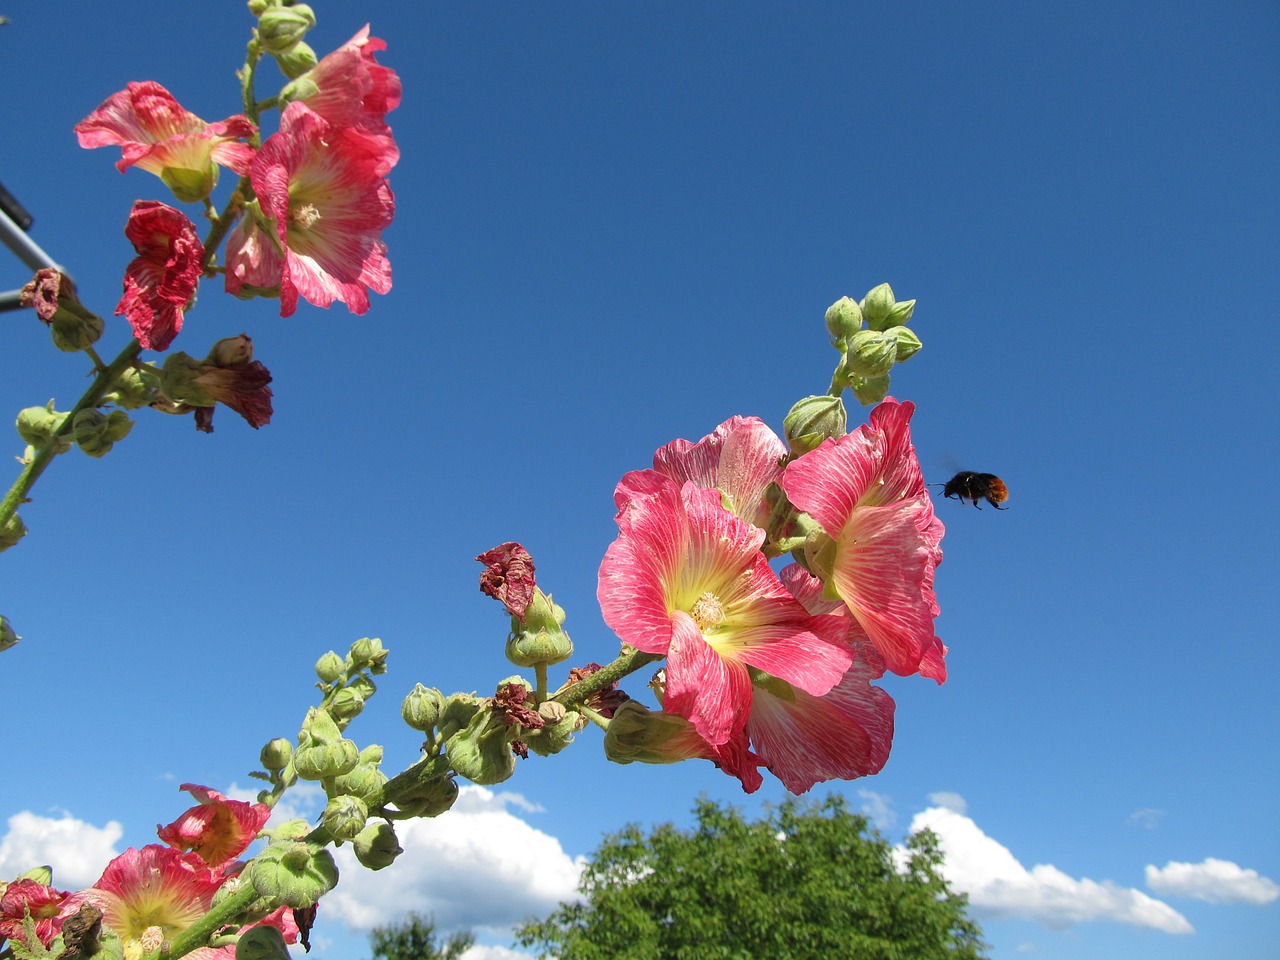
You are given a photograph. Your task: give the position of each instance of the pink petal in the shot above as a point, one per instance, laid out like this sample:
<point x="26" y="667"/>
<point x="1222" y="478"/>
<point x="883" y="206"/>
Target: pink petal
<point x="713" y="693"/>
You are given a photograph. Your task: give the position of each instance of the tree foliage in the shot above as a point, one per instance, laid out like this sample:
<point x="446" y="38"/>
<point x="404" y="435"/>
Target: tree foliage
<point x="807" y="881"/>
<point x="415" y="939"/>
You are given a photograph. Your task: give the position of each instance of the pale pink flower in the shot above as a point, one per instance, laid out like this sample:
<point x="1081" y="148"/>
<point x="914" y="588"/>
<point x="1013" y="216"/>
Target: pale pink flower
<point x="46" y="906"/>
<point x="348" y="87"/>
<point x="867" y="493"/>
<point x="160" y="282"/>
<point x="217" y="829"/>
<point x="740" y="459"/>
<point x="324" y="189"/>
<point x="686" y="579"/>
<point x="156" y="134"/>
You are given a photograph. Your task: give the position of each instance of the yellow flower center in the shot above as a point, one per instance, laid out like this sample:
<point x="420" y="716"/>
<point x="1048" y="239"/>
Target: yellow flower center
<point x="708" y="612"/>
<point x="304" y="216"/>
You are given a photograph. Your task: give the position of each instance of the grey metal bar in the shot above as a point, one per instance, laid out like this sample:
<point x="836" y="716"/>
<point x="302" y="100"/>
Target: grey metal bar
<point x="26" y="250"/>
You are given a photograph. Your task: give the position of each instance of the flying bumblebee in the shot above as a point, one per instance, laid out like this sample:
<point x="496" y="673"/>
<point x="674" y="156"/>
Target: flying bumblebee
<point x="971" y="486"/>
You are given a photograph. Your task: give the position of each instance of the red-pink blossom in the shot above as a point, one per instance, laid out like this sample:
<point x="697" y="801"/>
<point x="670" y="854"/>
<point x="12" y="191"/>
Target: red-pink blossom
<point x="508" y="577"/>
<point x="160" y="282"/>
<point x="46" y="906"/>
<point x="323" y="189"/>
<point x="217" y="829"/>
<point x="241" y="386"/>
<point x="867" y="493"/>
<point x="348" y="87"/>
<point x="740" y="458"/>
<point x="155" y="133"/>
<point x="686" y="578"/>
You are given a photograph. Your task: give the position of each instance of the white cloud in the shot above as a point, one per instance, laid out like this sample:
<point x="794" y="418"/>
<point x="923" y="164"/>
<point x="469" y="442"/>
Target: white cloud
<point x="76" y="850"/>
<point x="477" y="867"/>
<point x="952" y="801"/>
<point x="495" y="953"/>
<point x="999" y="886"/>
<point x="1214" y="881"/>
<point x="1148" y="817"/>
<point x="878" y="808"/>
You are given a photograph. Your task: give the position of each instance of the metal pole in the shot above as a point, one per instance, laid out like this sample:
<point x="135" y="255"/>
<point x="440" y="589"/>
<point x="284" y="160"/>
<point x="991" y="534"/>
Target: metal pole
<point x="26" y="250"/>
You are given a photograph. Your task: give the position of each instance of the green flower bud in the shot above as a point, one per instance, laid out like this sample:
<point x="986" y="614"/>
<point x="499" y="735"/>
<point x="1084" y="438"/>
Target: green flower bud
<point x="42" y="875"/>
<point x="346" y="704"/>
<point x="369" y="654"/>
<point x="372" y="754"/>
<point x="293" y="873"/>
<point x="363" y="686"/>
<point x="638" y="735"/>
<point x="279" y="28"/>
<point x="37" y="425"/>
<point x="297" y="60"/>
<point x="7" y="639"/>
<point x="321" y="760"/>
<point x="11" y="532"/>
<point x="179" y="380"/>
<point x="345" y="817"/>
<point x="329" y="667"/>
<point x="276" y="754"/>
<point x="876" y="306"/>
<point x="74" y="330"/>
<point x="365" y="781"/>
<point x="844" y="319"/>
<point x="458" y="711"/>
<point x="261" y="943"/>
<point x="422" y="707"/>
<point x="870" y="390"/>
<point x="376" y="845"/>
<point x="133" y="389"/>
<point x="482" y="752"/>
<point x="871" y="354"/>
<point x="539" y="639"/>
<point x="257" y="7"/>
<point x="813" y="420"/>
<point x="96" y="432"/>
<point x="908" y="343"/>
<point x="429" y="799"/>
<point x="899" y="314"/>
<point x="561" y="725"/>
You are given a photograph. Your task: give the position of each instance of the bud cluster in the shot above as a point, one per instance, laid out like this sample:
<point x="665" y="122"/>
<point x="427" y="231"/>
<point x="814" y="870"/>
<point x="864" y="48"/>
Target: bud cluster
<point x="871" y="335"/>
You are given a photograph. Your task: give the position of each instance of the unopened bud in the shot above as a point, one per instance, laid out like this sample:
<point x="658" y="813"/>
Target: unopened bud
<point x="429" y="799"/>
<point x="279" y="28"/>
<point x="293" y="873"/>
<point x="11" y="532"/>
<point x="876" y="306"/>
<point x="345" y="817"/>
<point x="133" y="389"/>
<point x="297" y="60"/>
<point x="870" y="390"/>
<point x="346" y="704"/>
<point x="540" y="639"/>
<point x="557" y="733"/>
<point x="96" y="432"/>
<point x="376" y="846"/>
<point x="482" y="752"/>
<point x="365" y="781"/>
<point x="261" y="943"/>
<point x="422" y="707"/>
<point x="329" y="667"/>
<point x="638" y="735"/>
<point x="844" y="319"/>
<point x="813" y="420"/>
<point x="36" y="425"/>
<point x="369" y="654"/>
<point x="230" y="351"/>
<point x="871" y="353"/>
<point x="276" y="754"/>
<point x="908" y="343"/>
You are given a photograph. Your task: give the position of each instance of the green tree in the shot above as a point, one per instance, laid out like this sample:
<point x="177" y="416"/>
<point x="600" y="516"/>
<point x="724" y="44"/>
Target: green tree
<point x="415" y="939"/>
<point x="807" y="881"/>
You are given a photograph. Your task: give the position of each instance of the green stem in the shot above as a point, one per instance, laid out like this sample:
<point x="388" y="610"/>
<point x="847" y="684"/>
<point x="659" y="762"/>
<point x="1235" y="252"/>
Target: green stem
<point x="101" y="385"/>
<point x="625" y="664"/>
<point x="540" y="675"/>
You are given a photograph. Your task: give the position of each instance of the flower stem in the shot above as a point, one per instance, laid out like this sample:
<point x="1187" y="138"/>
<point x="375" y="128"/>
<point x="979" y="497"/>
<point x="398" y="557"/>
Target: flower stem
<point x="101" y="385"/>
<point x="627" y="663"/>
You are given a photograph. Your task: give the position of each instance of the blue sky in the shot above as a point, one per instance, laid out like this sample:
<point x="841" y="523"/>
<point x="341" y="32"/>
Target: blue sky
<point x="621" y="224"/>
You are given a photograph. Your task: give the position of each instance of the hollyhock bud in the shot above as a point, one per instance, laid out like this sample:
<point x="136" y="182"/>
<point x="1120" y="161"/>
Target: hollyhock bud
<point x="297" y="60"/>
<point x="482" y="751"/>
<point x="429" y="799"/>
<point x="876" y="306"/>
<point x="844" y="318"/>
<point x="908" y="343"/>
<point x="345" y="817"/>
<point x="422" y="707"/>
<point x="276" y="754"/>
<point x="279" y="28"/>
<point x="366" y="780"/>
<point x="346" y="704"/>
<point x="96" y="432"/>
<point x="133" y="389"/>
<point x="53" y="295"/>
<point x="558" y="730"/>
<point x="329" y="667"/>
<point x="38" y="425"/>
<point x="293" y="873"/>
<point x="638" y="735"/>
<point x="376" y="845"/>
<point x="870" y="390"/>
<point x="322" y="751"/>
<point x="7" y="639"/>
<point x="899" y="314"/>
<point x="369" y="654"/>
<point x="11" y="532"/>
<point x="459" y="709"/>
<point x="540" y="639"/>
<point x="262" y="943"/>
<point x="813" y="420"/>
<point x="870" y="354"/>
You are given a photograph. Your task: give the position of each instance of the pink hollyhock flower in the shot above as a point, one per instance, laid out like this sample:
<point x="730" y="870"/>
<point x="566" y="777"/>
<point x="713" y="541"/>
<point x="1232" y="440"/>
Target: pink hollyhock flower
<point x="740" y="459"/>
<point x="686" y="578"/>
<point x="323" y="188"/>
<point x="151" y="895"/>
<point x="217" y="830"/>
<point x="348" y="87"/>
<point x="46" y="906"/>
<point x="160" y="282"/>
<point x="867" y="493"/>
<point x="155" y="133"/>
